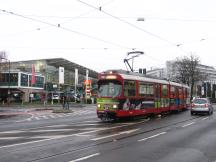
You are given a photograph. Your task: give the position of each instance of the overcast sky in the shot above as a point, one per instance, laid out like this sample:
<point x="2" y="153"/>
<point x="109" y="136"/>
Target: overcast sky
<point x="100" y="40"/>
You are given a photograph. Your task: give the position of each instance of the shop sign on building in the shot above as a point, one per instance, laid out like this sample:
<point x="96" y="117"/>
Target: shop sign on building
<point x="61" y="75"/>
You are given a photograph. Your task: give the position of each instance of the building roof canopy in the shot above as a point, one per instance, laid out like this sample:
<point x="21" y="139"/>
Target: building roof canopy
<point x="57" y="62"/>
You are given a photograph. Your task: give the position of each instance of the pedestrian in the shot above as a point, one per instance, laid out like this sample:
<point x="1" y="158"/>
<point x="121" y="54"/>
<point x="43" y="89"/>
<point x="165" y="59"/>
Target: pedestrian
<point x="67" y="100"/>
<point x="63" y="101"/>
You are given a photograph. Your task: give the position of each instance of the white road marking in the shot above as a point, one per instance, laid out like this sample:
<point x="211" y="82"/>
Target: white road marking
<point x="50" y="130"/>
<point x="186" y="125"/>
<point x="82" y="135"/>
<point x="44" y="116"/>
<point x="52" y="116"/>
<point x="85" y="129"/>
<point x="9" y="138"/>
<point x="8" y="132"/>
<point x="112" y="135"/>
<point x="60" y="115"/>
<point x="50" y="126"/>
<point x="37" y="118"/>
<point x="49" y="137"/>
<point x="90" y="121"/>
<point x="143" y="121"/>
<point x="87" y="124"/>
<point x="156" y="135"/>
<point x="28" y="119"/>
<point x="205" y="118"/>
<point x="54" y="138"/>
<point x="58" y="137"/>
<point x="86" y="157"/>
<point x="19" y="144"/>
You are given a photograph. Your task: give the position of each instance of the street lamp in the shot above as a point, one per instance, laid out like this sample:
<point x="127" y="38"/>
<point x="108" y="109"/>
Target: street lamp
<point x="206" y="88"/>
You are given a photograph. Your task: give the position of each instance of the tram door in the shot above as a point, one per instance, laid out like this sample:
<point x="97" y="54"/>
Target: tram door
<point x="177" y="99"/>
<point x="157" y="96"/>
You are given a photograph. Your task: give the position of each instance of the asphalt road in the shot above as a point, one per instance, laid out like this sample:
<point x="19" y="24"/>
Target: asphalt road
<point x="80" y="136"/>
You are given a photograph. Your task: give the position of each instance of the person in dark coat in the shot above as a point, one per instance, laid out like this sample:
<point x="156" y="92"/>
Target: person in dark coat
<point x="63" y="101"/>
<point x="67" y="101"/>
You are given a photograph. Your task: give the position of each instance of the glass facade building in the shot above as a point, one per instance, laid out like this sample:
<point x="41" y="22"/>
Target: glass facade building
<point x="17" y="78"/>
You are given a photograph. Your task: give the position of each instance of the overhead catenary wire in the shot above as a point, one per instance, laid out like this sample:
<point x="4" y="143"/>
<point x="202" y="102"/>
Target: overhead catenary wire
<point x="66" y="29"/>
<point x="58" y="17"/>
<point x="60" y="26"/>
<point x="128" y="23"/>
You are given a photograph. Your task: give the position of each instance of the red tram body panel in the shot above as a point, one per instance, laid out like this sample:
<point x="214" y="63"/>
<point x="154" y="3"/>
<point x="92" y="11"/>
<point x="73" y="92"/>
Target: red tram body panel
<point x="126" y="94"/>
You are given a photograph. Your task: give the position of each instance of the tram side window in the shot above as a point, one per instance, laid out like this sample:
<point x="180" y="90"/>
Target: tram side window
<point x="185" y="93"/>
<point x="172" y="92"/>
<point x="164" y="91"/>
<point x="130" y="88"/>
<point x="146" y="90"/>
<point x="157" y="91"/>
<point x="180" y="93"/>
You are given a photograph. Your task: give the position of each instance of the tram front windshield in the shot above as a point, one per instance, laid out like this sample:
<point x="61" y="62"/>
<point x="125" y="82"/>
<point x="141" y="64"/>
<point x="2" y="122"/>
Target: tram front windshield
<point x="109" y="89"/>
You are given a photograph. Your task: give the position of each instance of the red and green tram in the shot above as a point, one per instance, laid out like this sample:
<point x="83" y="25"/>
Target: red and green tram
<point x="127" y="94"/>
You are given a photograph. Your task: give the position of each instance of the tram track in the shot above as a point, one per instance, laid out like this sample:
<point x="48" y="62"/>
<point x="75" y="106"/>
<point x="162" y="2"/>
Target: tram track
<point x="96" y="144"/>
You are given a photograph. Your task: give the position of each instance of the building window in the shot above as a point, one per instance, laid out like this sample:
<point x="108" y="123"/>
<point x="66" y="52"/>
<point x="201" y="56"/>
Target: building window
<point x="24" y="80"/>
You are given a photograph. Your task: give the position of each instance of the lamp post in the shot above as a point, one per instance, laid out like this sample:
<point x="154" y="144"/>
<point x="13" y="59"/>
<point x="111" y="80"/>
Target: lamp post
<point x="206" y="88"/>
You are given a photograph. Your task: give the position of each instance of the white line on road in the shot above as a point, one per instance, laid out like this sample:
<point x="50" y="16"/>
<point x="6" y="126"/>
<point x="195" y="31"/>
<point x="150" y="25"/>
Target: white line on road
<point x="156" y="135"/>
<point x="112" y="135"/>
<point x="28" y="119"/>
<point x="48" y="137"/>
<point x="13" y="131"/>
<point x="9" y="138"/>
<point x="19" y="144"/>
<point x="52" y="116"/>
<point x="86" y="157"/>
<point x="37" y="118"/>
<point x="90" y="121"/>
<point x="87" y="124"/>
<point x="65" y="136"/>
<point x="205" y="118"/>
<point x="43" y="140"/>
<point x="61" y="125"/>
<point x="186" y="125"/>
<point x="50" y="130"/>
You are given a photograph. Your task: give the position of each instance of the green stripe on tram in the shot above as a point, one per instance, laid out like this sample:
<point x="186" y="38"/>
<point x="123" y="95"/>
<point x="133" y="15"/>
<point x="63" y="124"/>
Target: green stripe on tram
<point x="107" y="101"/>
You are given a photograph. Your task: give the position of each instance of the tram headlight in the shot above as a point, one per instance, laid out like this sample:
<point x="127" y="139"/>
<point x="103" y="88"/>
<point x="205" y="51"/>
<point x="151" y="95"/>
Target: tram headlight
<point x="115" y="106"/>
<point x="98" y="106"/>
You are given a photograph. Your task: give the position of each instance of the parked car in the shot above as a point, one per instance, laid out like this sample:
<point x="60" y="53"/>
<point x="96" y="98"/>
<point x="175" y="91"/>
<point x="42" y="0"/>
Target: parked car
<point x="201" y="105"/>
<point x="56" y="96"/>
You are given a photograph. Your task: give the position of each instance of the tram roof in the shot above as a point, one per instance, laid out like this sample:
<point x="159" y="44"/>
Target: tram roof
<point x="144" y="78"/>
<point x="141" y="77"/>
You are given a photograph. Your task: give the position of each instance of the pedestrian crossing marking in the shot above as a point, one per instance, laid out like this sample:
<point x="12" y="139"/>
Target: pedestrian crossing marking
<point x="50" y="115"/>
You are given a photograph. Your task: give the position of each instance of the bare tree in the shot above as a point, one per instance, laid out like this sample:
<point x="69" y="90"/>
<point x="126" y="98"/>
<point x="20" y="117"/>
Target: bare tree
<point x="187" y="71"/>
